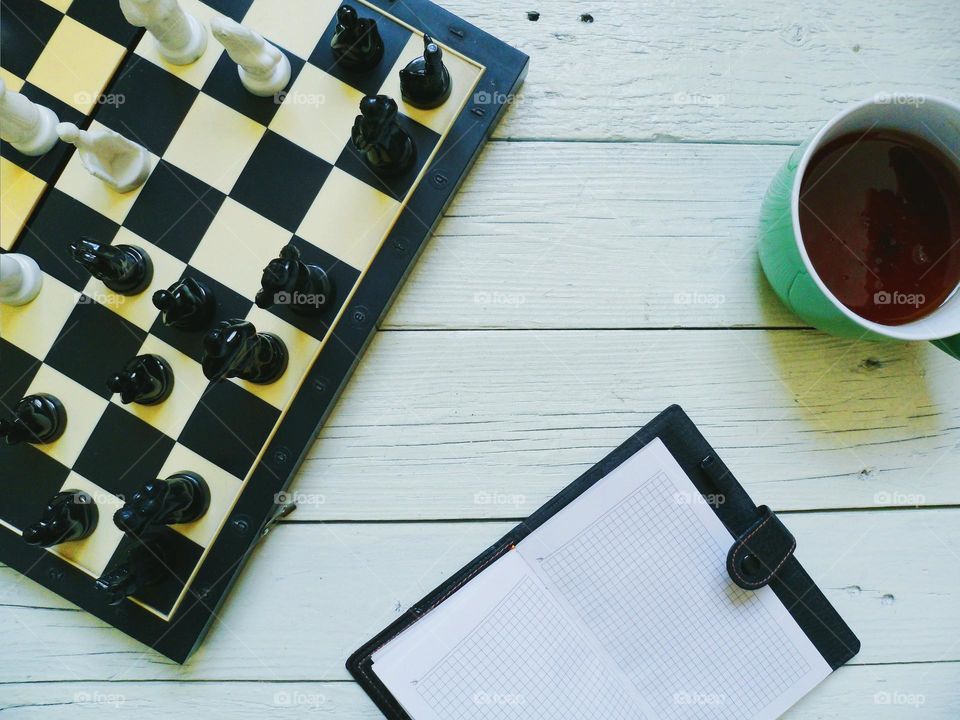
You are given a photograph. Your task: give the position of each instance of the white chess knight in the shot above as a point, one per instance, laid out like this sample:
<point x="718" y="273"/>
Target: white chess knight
<point x="20" y="279"/>
<point x="28" y="127"/>
<point x="264" y="69"/>
<point x="180" y="37"/>
<point x="120" y="163"/>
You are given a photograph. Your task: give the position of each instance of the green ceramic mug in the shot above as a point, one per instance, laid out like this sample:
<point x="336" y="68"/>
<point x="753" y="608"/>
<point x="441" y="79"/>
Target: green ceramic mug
<point x="782" y="252"/>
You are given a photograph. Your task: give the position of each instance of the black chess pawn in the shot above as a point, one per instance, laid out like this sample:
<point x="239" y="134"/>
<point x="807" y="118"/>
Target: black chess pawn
<point x="145" y="379"/>
<point x="234" y="348"/>
<point x="188" y="304"/>
<point x="125" y="269"/>
<point x="388" y="149"/>
<point x="182" y="498"/>
<point x="143" y="565"/>
<point x="356" y="42"/>
<point x="425" y="81"/>
<point x="288" y="280"/>
<point x="70" y="515"/>
<point x="37" y="419"/>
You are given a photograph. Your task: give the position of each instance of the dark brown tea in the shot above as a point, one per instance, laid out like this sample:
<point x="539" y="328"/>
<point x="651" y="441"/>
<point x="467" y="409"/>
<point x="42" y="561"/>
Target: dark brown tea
<point x="880" y="217"/>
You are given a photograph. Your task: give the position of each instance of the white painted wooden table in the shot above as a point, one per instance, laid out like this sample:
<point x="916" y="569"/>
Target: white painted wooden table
<point x="598" y="265"/>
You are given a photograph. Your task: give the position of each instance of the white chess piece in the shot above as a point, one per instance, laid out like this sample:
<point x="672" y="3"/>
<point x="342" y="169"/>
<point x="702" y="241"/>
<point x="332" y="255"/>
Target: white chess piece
<point x="28" y="127"/>
<point x="120" y="163"/>
<point x="264" y="69"/>
<point x="20" y="279"/>
<point x="181" y="38"/>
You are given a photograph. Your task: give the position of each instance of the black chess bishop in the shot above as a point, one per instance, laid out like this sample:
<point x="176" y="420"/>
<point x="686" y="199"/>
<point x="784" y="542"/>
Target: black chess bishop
<point x="188" y="304"/>
<point x="287" y="280"/>
<point x="356" y="42"/>
<point x="182" y="498"/>
<point x="70" y="515"/>
<point x="37" y="419"/>
<point x="234" y="348"/>
<point x="125" y="269"/>
<point x="144" y="564"/>
<point x="144" y="379"/>
<point x="425" y="81"/>
<point x="388" y="149"/>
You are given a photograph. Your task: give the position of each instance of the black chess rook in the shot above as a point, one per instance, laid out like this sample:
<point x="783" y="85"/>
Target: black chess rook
<point x="188" y="304"/>
<point x="386" y="146"/>
<point x="356" y="42"/>
<point x="425" y="81"/>
<point x="143" y="565"/>
<point x="124" y="269"/>
<point x="287" y="280"/>
<point x="70" y="515"/>
<point x="182" y="498"/>
<point x="37" y="419"/>
<point x="234" y="348"/>
<point x="144" y="379"/>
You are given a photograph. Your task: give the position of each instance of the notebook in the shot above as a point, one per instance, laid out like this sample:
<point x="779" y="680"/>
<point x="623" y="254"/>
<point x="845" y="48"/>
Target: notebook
<point x="651" y="588"/>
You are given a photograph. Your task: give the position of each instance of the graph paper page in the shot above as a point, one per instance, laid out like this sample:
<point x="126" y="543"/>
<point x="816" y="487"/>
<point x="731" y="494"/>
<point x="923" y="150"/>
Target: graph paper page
<point x="640" y="559"/>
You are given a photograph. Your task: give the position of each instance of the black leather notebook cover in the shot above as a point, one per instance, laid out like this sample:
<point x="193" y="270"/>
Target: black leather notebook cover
<point x="762" y="545"/>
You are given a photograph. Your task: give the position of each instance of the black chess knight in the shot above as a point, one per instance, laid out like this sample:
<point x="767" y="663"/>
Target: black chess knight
<point x="356" y="42"/>
<point x="70" y="515"/>
<point x="182" y="498"/>
<point x="234" y="348"/>
<point x="36" y="419"/>
<point x="145" y="379"/>
<point x="143" y="565"/>
<point x="425" y="81"/>
<point x="288" y="280"/>
<point x="388" y="149"/>
<point x="125" y="269"/>
<point x="188" y="304"/>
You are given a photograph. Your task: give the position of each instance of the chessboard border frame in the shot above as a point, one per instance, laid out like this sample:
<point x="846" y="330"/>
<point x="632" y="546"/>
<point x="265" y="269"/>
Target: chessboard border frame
<point x="257" y="507"/>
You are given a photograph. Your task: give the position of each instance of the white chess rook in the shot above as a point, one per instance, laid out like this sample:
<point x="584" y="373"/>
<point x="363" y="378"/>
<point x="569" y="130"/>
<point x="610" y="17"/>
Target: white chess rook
<point x="28" y="127"/>
<point x="119" y="162"/>
<point x="181" y="38"/>
<point x="264" y="69"/>
<point x="20" y="279"/>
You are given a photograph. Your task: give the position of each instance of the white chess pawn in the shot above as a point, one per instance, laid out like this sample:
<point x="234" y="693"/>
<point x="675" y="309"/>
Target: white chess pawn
<point x="28" y="127"/>
<point x="181" y="38"/>
<point x="20" y="279"/>
<point x="120" y="163"/>
<point x="264" y="69"/>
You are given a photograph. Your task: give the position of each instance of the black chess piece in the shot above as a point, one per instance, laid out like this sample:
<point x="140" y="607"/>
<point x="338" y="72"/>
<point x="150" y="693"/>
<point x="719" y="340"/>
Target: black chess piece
<point x="144" y="564"/>
<point x="188" y="304"/>
<point x="288" y="280"/>
<point x="425" y="81"/>
<point x="356" y="41"/>
<point x="37" y="419"/>
<point x="389" y="150"/>
<point x="234" y="348"/>
<point x="70" y="515"/>
<point x="145" y="379"/>
<point x="182" y="498"/>
<point x="125" y="269"/>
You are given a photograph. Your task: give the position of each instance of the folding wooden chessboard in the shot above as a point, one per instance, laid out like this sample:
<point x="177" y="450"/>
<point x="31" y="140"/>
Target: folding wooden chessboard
<point x="236" y="177"/>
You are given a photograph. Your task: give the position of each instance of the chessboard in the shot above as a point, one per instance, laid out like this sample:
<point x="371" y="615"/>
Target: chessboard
<point x="235" y="179"/>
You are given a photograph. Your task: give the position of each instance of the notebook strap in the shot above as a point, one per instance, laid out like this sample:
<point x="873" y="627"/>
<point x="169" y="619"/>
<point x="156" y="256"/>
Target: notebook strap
<point x="760" y="551"/>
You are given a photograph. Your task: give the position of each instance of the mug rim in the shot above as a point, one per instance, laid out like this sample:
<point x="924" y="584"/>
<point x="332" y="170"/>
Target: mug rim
<point x="896" y="332"/>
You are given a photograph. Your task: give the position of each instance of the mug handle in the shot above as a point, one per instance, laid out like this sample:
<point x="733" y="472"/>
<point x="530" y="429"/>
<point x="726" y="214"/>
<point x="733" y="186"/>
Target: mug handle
<point x="951" y="346"/>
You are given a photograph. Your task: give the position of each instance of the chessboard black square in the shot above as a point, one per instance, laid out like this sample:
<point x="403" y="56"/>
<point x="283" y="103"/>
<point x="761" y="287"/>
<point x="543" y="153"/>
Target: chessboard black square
<point x="230" y="305"/>
<point x="353" y="162"/>
<point x="17" y="369"/>
<point x="34" y="477"/>
<point x="174" y="210"/>
<point x="234" y="9"/>
<point x="94" y="343"/>
<point x="46" y="166"/>
<point x="179" y="556"/>
<point x="58" y="221"/>
<point x="123" y="452"/>
<point x="395" y="38"/>
<point x="104" y="17"/>
<point x="280" y="181"/>
<point x="224" y="85"/>
<point x="27" y="26"/>
<point x="154" y="104"/>
<point x="213" y="433"/>
<point x="342" y="278"/>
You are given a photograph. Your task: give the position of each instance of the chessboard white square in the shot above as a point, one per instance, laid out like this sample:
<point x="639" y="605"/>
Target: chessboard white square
<point x="214" y="143"/>
<point x="84" y="409"/>
<point x="197" y="72"/>
<point x="349" y="219"/>
<point x="293" y="24"/>
<point x="34" y="327"/>
<point x="317" y="113"/>
<point x="94" y="552"/>
<point x="61" y="5"/>
<point x="13" y="82"/>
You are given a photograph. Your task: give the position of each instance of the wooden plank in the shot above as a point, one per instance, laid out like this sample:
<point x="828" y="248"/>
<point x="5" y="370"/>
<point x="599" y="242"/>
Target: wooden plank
<point x="715" y="70"/>
<point x="888" y="692"/>
<point x="313" y="593"/>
